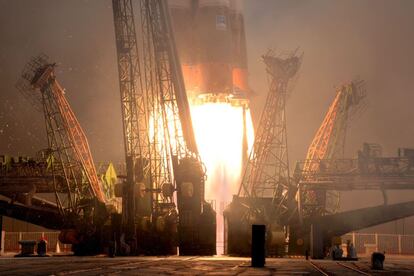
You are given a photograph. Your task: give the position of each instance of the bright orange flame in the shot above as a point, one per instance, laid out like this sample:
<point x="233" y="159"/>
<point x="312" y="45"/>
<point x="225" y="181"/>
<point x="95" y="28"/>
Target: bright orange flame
<point x="219" y="132"/>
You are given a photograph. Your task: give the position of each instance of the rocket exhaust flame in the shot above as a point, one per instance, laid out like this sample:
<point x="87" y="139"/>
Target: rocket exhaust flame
<point x="211" y="44"/>
<point x="220" y="132"/>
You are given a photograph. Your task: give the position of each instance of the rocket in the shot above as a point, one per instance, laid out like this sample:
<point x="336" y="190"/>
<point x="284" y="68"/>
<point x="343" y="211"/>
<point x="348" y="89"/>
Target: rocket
<point x="211" y="45"/>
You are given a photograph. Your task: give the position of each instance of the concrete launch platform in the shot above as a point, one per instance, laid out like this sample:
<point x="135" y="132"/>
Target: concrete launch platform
<point x="69" y="265"/>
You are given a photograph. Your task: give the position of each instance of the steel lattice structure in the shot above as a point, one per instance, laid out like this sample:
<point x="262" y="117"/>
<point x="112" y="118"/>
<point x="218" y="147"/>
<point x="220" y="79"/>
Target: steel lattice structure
<point x="379" y="173"/>
<point x="329" y="143"/>
<point x="175" y="158"/>
<point x="159" y="136"/>
<point x="172" y="135"/>
<point x="165" y="143"/>
<point x="165" y="77"/>
<point x="134" y="113"/>
<point x="267" y="171"/>
<point x="68" y="156"/>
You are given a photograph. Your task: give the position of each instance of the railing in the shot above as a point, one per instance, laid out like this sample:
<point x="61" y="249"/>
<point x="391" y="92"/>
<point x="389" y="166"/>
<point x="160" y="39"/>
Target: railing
<point x="356" y="174"/>
<point x="363" y="242"/>
<point x="380" y="166"/>
<point x="11" y="241"/>
<point x="388" y="243"/>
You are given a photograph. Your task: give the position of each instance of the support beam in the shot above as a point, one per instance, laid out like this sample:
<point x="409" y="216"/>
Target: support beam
<point x="45" y="217"/>
<point x="345" y="222"/>
<point x="323" y="229"/>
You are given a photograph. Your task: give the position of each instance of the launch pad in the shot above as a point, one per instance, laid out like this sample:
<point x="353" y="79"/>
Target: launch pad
<point x="196" y="266"/>
<point x="188" y="132"/>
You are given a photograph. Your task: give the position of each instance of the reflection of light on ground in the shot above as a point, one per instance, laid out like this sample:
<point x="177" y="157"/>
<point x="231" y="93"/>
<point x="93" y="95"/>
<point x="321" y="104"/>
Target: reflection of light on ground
<point x="219" y="130"/>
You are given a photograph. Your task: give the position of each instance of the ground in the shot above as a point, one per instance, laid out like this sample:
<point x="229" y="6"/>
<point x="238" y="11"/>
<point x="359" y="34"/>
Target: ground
<point x="64" y="265"/>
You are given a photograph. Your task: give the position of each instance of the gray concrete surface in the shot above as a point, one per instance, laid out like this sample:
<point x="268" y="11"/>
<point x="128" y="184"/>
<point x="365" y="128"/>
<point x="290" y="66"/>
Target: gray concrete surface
<point x="101" y="265"/>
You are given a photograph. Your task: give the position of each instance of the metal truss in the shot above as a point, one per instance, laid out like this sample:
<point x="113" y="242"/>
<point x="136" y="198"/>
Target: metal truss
<point x="134" y="112"/>
<point x="379" y="173"/>
<point x="267" y="170"/>
<point x="172" y="135"/>
<point x="68" y="155"/>
<point x="329" y="143"/>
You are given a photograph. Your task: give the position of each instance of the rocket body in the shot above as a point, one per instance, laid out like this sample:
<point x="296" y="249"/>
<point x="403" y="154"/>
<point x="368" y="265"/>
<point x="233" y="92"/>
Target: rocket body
<point x="211" y="44"/>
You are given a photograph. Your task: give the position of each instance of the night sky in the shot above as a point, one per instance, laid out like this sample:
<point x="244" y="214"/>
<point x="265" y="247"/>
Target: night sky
<point x="372" y="39"/>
